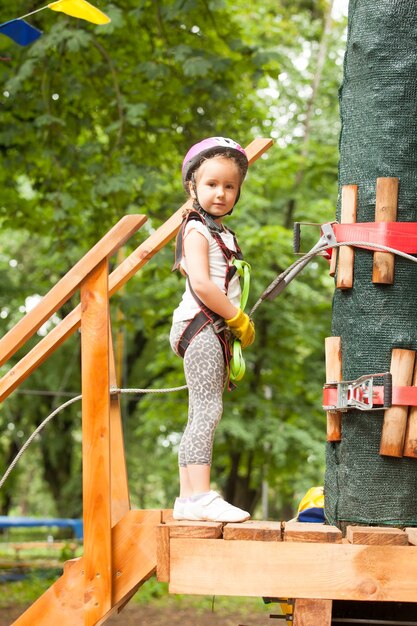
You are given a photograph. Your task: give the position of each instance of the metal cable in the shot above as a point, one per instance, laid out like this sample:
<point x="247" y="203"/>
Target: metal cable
<point x="113" y="391"/>
<point x="318" y="251"/>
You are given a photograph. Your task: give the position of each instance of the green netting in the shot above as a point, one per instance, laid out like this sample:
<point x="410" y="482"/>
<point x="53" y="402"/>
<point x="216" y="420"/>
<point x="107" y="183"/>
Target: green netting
<point x="378" y="101"/>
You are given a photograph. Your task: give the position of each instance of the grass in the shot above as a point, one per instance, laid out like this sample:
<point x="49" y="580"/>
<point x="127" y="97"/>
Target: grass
<point x="25" y="592"/>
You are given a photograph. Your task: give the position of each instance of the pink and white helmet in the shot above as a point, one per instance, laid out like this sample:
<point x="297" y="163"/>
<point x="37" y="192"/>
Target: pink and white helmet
<point x="209" y="147"/>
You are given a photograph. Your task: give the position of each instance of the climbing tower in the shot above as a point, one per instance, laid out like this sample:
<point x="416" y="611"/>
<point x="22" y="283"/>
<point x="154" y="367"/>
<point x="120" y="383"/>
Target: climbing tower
<point x="371" y="465"/>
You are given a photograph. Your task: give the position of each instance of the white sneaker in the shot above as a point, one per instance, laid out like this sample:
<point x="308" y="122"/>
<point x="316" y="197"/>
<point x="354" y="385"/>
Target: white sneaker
<point x="212" y="508"/>
<point x="178" y="511"/>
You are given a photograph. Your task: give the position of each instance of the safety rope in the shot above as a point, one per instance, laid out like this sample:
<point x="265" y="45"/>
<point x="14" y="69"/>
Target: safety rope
<point x="113" y="391"/>
<point x="319" y="251"/>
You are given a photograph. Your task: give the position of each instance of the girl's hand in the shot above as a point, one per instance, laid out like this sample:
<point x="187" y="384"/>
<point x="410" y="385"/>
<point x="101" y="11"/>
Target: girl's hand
<point x="243" y="328"/>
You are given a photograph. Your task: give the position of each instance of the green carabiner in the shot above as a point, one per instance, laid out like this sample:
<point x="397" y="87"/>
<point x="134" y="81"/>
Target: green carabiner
<point x="237" y="363"/>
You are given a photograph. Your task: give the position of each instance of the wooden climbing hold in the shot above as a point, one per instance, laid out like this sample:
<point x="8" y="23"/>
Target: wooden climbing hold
<point x="385" y="211"/>
<point x="333" y="350"/>
<point x="395" y="418"/>
<point x="346" y="253"/>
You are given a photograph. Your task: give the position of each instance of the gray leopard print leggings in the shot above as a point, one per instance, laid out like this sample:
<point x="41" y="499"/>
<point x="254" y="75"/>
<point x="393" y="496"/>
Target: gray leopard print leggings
<point x="205" y="374"/>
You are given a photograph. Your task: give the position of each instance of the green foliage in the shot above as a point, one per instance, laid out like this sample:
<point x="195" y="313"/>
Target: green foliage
<point x="95" y="123"/>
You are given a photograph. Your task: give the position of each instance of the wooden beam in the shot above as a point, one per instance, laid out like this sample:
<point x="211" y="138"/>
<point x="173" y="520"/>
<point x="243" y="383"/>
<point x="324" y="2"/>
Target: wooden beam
<point x="134" y="561"/>
<point x="312" y="612"/>
<point x="279" y="569"/>
<point x="95" y="321"/>
<point x="395" y="418"/>
<point x="120" y="498"/>
<point x="66" y="287"/>
<point x="17" y="374"/>
<point x="346" y="253"/>
<point x="385" y="211"/>
<point x="333" y="351"/>
<point x="162" y="553"/>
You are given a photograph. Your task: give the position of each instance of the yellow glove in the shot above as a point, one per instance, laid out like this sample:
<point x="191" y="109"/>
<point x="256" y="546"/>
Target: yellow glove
<point x="242" y="327"/>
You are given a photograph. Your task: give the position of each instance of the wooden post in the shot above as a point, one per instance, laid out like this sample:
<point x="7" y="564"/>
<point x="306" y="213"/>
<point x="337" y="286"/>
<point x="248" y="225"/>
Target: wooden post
<point x="410" y="446"/>
<point x="395" y="418"/>
<point x="333" y="349"/>
<point x="346" y="253"/>
<point x="120" y="499"/>
<point x="312" y="612"/>
<point x="96" y="443"/>
<point x="385" y="211"/>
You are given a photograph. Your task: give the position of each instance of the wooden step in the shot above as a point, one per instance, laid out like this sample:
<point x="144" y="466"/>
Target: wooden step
<point x="253" y="530"/>
<point x="376" y="535"/>
<point x="312" y="533"/>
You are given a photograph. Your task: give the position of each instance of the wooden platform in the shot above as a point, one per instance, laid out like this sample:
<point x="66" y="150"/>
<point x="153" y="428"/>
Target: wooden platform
<point x="311" y="563"/>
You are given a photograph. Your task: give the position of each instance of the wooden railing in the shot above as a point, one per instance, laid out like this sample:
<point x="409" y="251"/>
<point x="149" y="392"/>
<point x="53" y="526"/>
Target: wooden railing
<point x="105" y="485"/>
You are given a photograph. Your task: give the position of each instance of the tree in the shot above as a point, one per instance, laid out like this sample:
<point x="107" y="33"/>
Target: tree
<point x="97" y="121"/>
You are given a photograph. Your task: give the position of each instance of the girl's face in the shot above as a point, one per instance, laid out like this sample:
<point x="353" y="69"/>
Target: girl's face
<point x="218" y="183"/>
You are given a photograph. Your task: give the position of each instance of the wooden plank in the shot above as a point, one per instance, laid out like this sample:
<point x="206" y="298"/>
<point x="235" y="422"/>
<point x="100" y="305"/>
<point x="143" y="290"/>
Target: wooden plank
<point x="66" y="287"/>
<point x="410" y="441"/>
<point x="346" y="259"/>
<point x="253" y="530"/>
<point x="395" y="418"/>
<point x="195" y="530"/>
<point x="385" y="211"/>
<point x="333" y="350"/>
<point x="162" y="553"/>
<point x="118" y="278"/>
<point x="279" y="569"/>
<point x="120" y="498"/>
<point x="412" y="535"/>
<point x="134" y="552"/>
<point x="134" y="561"/>
<point x="333" y="261"/>
<point x="313" y="533"/>
<point x="95" y="320"/>
<point x="47" y="346"/>
<point x="312" y="612"/>
<point x="371" y="535"/>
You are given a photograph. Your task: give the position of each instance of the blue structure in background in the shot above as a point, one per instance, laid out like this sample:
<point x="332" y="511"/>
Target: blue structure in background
<point x="30" y="522"/>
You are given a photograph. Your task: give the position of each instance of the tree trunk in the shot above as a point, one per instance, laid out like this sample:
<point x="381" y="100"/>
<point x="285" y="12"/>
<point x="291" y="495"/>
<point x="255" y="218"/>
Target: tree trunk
<point x="378" y="139"/>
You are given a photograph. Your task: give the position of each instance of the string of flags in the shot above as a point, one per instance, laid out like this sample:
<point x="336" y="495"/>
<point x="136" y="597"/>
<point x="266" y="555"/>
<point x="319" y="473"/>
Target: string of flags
<point x="24" y="33"/>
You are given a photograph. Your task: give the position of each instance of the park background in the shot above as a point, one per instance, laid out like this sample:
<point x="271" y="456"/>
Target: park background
<point x="95" y="123"/>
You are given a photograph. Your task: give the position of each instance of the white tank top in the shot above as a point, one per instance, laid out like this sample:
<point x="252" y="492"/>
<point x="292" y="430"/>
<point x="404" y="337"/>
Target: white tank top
<point x="188" y="307"/>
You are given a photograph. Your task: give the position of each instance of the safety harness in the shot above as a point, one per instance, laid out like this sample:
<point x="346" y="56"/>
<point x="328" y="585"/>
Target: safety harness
<point x="206" y="316"/>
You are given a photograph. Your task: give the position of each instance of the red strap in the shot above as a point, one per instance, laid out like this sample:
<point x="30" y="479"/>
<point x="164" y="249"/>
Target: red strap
<point x="399" y="235"/>
<point x="401" y="396"/>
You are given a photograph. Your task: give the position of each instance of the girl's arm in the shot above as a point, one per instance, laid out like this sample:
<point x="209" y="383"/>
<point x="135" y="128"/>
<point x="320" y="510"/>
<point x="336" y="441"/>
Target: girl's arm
<point x="196" y="249"/>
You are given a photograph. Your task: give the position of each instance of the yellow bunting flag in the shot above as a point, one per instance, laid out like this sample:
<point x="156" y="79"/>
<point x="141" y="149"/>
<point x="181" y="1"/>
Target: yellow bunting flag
<point x="82" y="9"/>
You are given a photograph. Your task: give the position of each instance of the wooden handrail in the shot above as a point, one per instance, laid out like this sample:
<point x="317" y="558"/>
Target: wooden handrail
<point x="137" y="259"/>
<point x="66" y="287"/>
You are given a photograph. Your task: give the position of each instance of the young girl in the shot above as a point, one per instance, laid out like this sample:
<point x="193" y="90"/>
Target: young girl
<point x="208" y="317"/>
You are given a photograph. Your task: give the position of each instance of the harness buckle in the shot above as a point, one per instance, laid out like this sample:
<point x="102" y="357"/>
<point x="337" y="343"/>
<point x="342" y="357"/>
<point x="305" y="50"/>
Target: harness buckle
<point x="361" y="394"/>
<point x="219" y="325"/>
